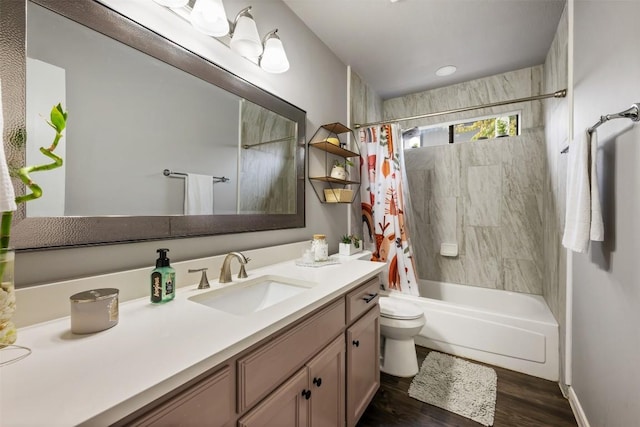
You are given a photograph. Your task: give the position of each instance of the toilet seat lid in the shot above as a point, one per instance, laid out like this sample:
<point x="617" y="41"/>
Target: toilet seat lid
<point x="396" y="309"/>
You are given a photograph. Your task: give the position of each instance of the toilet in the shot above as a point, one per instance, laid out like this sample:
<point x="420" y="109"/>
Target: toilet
<point x="400" y="322"/>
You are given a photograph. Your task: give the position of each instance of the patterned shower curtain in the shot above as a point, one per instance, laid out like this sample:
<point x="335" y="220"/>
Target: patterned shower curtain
<point x="383" y="206"/>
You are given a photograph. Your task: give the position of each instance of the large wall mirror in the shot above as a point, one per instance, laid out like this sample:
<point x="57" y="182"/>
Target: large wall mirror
<point x="160" y="143"/>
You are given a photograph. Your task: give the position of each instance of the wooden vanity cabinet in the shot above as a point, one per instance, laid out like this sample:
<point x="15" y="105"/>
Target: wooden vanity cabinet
<point x="263" y="369"/>
<point x="321" y="372"/>
<point x="363" y="364"/>
<point x="287" y="406"/>
<point x="314" y="396"/>
<point x="327" y="386"/>
<point x="210" y="402"/>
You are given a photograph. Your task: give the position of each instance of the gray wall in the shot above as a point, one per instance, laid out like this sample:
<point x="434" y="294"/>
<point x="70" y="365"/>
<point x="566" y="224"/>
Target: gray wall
<point x="486" y="196"/>
<point x="318" y="86"/>
<point x="606" y="280"/>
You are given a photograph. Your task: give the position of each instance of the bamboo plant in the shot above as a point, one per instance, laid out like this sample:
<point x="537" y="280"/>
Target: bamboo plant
<point x="58" y="121"/>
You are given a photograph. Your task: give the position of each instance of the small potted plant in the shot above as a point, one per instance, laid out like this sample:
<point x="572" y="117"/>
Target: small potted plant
<point x="349" y="245"/>
<point x="339" y="170"/>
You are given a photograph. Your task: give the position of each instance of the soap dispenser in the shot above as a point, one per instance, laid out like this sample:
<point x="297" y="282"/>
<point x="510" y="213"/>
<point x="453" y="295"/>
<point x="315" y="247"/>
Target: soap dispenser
<point x="163" y="279"/>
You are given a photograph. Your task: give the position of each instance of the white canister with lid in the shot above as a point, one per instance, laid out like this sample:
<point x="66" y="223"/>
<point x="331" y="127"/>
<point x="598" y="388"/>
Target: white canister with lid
<point x="94" y="310"/>
<point x="320" y="247"/>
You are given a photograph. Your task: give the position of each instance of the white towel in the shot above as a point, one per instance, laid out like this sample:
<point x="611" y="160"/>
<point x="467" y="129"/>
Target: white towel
<point x="7" y="196"/>
<point x="583" y="220"/>
<point x="198" y="194"/>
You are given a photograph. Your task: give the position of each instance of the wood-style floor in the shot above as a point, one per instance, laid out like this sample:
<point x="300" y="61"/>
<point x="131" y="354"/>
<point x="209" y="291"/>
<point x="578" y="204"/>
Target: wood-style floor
<point x="522" y="401"/>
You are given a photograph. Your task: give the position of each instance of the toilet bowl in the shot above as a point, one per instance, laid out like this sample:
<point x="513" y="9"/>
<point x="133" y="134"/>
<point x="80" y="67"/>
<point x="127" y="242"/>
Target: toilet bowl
<point x="400" y="322"/>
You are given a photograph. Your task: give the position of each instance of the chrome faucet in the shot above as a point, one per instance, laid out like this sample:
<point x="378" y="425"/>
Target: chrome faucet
<point x="225" y="271"/>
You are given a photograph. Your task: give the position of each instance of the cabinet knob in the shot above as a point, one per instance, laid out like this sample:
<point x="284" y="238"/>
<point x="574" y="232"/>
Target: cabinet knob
<point x="306" y="394"/>
<point x="317" y="381"/>
<point x="356" y="343"/>
<point x="370" y="297"/>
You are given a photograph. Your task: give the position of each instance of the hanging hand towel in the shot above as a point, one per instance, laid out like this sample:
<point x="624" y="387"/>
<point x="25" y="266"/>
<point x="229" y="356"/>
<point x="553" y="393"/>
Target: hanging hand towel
<point x="198" y="194"/>
<point x="583" y="220"/>
<point x="7" y="196"/>
<point x="597" y="226"/>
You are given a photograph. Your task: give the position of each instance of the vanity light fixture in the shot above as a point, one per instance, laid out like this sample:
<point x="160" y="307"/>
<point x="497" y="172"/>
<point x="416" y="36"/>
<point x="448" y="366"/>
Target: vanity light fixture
<point x="245" y="40"/>
<point x="241" y="35"/>
<point x="274" y="58"/>
<point x="209" y="17"/>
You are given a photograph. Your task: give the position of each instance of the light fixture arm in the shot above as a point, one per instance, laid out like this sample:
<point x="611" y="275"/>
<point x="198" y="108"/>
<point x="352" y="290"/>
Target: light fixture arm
<point x="270" y="34"/>
<point x="244" y="12"/>
<point x="273" y="34"/>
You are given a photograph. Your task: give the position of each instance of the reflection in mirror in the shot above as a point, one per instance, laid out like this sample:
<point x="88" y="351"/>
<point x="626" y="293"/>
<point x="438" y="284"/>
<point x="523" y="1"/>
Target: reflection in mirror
<point x="131" y="116"/>
<point x="267" y="161"/>
<point x="123" y="101"/>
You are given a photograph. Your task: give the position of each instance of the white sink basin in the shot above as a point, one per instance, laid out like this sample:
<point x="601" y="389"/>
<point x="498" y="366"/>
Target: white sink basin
<point x="252" y="295"/>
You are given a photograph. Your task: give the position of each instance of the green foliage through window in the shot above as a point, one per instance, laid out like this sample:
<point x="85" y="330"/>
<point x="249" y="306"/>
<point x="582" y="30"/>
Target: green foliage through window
<point x="481" y="128"/>
<point x="488" y="128"/>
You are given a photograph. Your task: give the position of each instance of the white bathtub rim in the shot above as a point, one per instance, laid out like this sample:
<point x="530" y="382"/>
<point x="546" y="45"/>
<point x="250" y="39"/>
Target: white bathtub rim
<point x="544" y="318"/>
<point x="527" y="303"/>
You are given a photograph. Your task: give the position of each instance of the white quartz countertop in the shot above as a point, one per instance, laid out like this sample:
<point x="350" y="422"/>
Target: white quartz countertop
<point x="98" y="379"/>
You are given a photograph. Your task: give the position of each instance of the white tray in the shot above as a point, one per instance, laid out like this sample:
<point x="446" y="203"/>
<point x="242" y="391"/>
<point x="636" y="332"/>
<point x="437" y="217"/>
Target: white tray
<point x="332" y="260"/>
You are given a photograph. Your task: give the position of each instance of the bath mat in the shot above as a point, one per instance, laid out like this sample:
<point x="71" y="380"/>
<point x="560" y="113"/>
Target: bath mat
<point x="462" y="387"/>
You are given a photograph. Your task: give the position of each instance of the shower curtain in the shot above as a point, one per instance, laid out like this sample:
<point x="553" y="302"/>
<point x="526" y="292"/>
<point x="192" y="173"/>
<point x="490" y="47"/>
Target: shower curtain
<point x="383" y="208"/>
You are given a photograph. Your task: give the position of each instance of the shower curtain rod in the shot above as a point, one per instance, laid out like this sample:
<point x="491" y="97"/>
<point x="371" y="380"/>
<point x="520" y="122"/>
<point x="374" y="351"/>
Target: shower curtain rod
<point x="557" y="94"/>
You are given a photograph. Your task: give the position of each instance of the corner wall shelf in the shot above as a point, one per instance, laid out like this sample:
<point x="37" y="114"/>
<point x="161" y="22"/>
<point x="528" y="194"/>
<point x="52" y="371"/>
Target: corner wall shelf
<point x="333" y="139"/>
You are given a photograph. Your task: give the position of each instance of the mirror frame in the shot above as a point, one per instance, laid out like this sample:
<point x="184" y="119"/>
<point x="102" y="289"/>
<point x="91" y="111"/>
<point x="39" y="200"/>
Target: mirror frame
<point x="58" y="232"/>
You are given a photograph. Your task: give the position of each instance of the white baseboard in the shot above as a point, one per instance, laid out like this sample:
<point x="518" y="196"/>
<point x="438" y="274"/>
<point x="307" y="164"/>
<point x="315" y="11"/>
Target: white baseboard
<point x="578" y="412"/>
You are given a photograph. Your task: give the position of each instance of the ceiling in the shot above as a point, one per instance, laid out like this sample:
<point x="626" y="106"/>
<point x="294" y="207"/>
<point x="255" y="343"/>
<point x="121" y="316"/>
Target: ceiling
<point x="396" y="47"/>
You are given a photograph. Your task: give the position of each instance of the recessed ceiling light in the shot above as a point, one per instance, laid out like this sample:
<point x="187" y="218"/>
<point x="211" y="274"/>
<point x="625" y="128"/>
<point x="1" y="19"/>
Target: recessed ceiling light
<point x="447" y="70"/>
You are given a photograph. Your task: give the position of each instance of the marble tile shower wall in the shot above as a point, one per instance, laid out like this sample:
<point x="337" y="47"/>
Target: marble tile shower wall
<point x="486" y="196"/>
<point x="556" y="116"/>
<point x="366" y="106"/>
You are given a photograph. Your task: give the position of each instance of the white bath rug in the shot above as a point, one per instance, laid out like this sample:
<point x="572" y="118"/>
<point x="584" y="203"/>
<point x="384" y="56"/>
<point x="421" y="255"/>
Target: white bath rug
<point x="462" y="387"/>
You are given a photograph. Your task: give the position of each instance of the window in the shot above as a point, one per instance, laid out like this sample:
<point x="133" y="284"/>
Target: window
<point x="488" y="127"/>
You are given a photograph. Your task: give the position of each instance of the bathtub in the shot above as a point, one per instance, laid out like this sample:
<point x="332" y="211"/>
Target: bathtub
<point x="507" y="329"/>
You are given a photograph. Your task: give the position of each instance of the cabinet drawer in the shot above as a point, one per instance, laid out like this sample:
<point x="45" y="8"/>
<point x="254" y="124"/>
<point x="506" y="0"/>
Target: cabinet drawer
<point x="268" y="366"/>
<point x="362" y="299"/>
<point x="209" y="402"/>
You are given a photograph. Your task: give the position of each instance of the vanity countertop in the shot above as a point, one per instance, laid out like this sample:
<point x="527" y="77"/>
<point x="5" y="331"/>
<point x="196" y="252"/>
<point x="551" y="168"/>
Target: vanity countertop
<point x="99" y="378"/>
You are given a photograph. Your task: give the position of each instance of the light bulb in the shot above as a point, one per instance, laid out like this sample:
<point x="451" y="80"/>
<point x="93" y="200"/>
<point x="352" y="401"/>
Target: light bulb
<point x="246" y="40"/>
<point x="274" y="59"/>
<point x="209" y="17"/>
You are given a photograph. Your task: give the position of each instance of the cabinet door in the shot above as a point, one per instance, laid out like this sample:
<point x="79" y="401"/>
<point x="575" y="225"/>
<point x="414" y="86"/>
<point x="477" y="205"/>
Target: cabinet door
<point x="262" y="370"/>
<point x="326" y="375"/>
<point x="288" y="406"/>
<point x="210" y="403"/>
<point x="363" y="364"/>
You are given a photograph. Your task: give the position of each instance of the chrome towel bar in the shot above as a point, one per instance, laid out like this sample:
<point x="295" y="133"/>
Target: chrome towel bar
<point x="630" y="113"/>
<point x="170" y="173"/>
